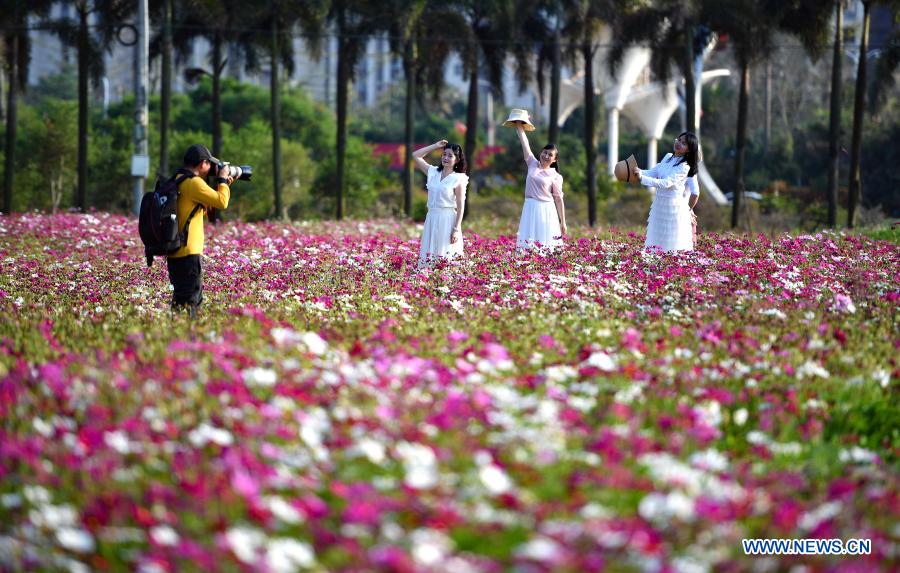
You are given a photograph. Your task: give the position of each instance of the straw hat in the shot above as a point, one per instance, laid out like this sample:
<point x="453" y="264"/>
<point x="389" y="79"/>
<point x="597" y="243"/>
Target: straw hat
<point x="516" y="115"/>
<point x="624" y="170"/>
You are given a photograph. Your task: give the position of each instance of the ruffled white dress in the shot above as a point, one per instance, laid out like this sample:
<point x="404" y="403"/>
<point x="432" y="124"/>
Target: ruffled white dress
<point x="441" y="217"/>
<point x="669" y="223"/>
<point x="539" y="225"/>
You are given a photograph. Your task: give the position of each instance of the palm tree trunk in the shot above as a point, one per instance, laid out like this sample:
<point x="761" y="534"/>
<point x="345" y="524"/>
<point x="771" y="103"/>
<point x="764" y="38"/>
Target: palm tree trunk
<point x="11" y="109"/>
<point x="555" y="79"/>
<point x="859" y="108"/>
<point x="740" y="143"/>
<point x="217" y="68"/>
<point x="343" y="79"/>
<point x="834" y="130"/>
<point x="217" y="94"/>
<point x="409" y="68"/>
<point x="590" y="147"/>
<point x="276" y="122"/>
<point x="472" y="116"/>
<point x="166" y="89"/>
<point x="81" y="196"/>
<point x="690" y="84"/>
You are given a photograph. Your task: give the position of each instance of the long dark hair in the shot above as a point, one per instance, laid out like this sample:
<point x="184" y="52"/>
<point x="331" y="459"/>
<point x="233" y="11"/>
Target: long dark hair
<point x="555" y="163"/>
<point x="692" y="156"/>
<point x="461" y="165"/>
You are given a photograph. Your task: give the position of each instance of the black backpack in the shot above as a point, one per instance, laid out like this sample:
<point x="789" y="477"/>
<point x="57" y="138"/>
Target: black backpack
<point x="158" y="219"/>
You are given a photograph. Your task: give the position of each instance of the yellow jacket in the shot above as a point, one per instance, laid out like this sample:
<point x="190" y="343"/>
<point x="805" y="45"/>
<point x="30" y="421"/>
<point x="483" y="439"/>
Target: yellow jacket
<point x="192" y="192"/>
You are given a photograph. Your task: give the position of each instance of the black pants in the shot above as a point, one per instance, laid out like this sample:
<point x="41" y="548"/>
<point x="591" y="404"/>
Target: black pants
<point x="186" y="276"/>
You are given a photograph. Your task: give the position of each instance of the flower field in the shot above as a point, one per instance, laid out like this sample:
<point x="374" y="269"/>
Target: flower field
<point x="333" y="408"/>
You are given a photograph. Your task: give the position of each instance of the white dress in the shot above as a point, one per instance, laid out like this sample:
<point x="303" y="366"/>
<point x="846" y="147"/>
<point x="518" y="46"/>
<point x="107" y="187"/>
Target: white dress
<point x="441" y="217"/>
<point x="669" y="223"/>
<point x="539" y="225"/>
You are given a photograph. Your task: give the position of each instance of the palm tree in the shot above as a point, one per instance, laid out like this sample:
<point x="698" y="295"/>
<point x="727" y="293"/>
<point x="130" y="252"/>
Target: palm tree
<point x="167" y="10"/>
<point x="891" y="55"/>
<point x="404" y="25"/>
<point x="490" y="23"/>
<point x="280" y="18"/>
<point x="583" y="27"/>
<point x="750" y="25"/>
<point x="537" y="45"/>
<point x="834" y="121"/>
<point x="16" y="57"/>
<point x="223" y="23"/>
<point x="107" y="16"/>
<point x="352" y="21"/>
<point x="811" y="22"/>
<point x="859" y="104"/>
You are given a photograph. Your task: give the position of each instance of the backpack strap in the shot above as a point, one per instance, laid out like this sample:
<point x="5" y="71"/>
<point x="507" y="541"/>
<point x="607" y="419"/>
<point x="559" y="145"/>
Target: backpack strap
<point x="186" y="174"/>
<point x="188" y="222"/>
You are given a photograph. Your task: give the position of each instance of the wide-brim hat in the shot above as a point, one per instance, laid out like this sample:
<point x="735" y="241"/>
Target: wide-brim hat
<point x="517" y="115"/>
<point x="624" y="170"/>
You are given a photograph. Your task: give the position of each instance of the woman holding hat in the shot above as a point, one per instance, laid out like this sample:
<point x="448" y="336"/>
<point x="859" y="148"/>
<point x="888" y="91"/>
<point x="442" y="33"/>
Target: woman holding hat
<point x="543" y="222"/>
<point x="669" y="224"/>
<point x="442" y="235"/>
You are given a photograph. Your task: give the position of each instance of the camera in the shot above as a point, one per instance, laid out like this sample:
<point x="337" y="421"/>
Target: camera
<point x="223" y="169"/>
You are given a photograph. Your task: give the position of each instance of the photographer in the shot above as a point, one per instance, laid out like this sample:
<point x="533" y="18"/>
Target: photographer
<point x="195" y="196"/>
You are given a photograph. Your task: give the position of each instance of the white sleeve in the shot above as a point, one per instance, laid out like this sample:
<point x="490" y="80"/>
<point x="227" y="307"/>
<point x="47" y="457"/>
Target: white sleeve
<point x="674" y="180"/>
<point x="692" y="185"/>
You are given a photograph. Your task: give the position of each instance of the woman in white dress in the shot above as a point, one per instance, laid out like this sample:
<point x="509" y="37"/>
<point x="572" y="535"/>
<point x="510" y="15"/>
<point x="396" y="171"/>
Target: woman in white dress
<point x="543" y="222"/>
<point x="669" y="223"/>
<point x="442" y="236"/>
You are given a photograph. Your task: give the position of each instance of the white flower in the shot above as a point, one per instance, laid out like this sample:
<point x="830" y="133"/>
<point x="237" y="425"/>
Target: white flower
<point x="314" y="425"/>
<point x="774" y="312"/>
<point x="314" y="343"/>
<point x="430" y="547"/>
<point x="858" y="455"/>
<point x="283" y="336"/>
<point x="810" y="369"/>
<point x="36" y="495"/>
<point x="204" y="433"/>
<point x="75" y="539"/>
<point x="539" y="549"/>
<point x="285" y="555"/>
<point x="43" y="428"/>
<point x="259" y="376"/>
<point x="710" y="460"/>
<point x="711" y="413"/>
<point x="560" y="373"/>
<point x="245" y="542"/>
<point x="494" y="479"/>
<point x="630" y="393"/>
<point x="118" y="440"/>
<point x="372" y="449"/>
<point x="283" y="510"/>
<point x="811" y="519"/>
<point x="601" y="360"/>
<point x="420" y="464"/>
<point x="661" y="508"/>
<point x="164" y="535"/>
<point x="53" y="516"/>
<point x="740" y="416"/>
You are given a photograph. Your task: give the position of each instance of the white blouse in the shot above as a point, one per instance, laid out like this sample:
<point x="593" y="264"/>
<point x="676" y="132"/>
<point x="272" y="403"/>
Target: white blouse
<point x="668" y="176"/>
<point x="441" y="193"/>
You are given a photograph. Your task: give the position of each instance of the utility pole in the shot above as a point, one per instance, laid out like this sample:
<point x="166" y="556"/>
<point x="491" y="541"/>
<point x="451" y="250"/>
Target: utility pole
<point x="140" y="160"/>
